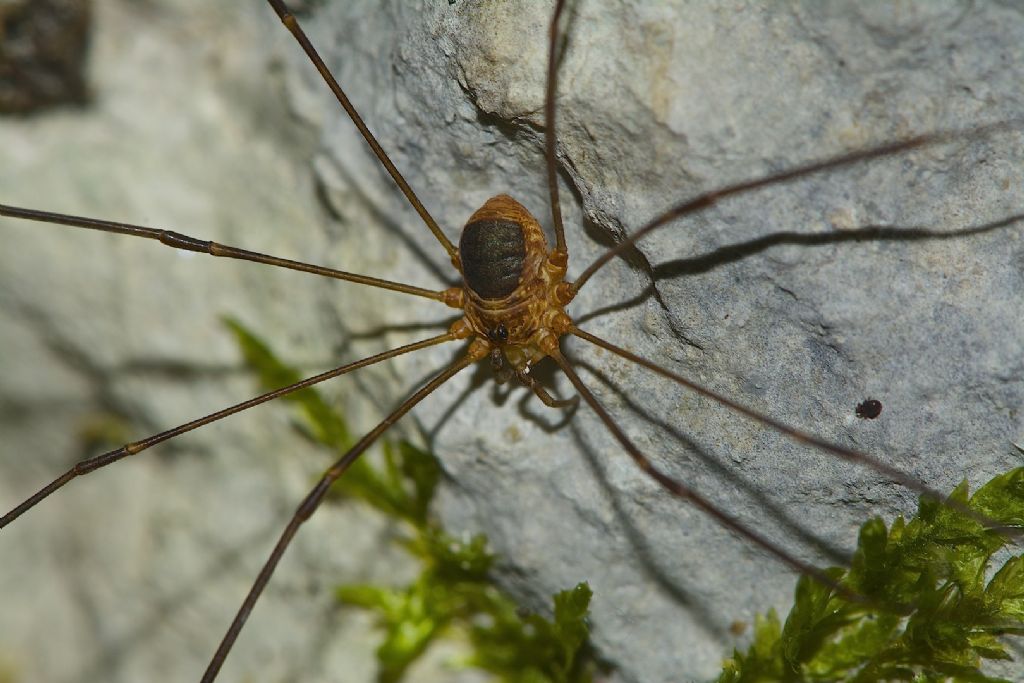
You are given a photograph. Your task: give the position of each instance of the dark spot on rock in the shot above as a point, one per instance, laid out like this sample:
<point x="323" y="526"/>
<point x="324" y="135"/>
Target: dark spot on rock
<point x="869" y="409"/>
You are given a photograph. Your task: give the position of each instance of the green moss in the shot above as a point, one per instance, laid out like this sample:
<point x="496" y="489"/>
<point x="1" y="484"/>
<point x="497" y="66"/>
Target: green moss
<point x="8" y="672"/>
<point x="453" y="596"/>
<point x="927" y="610"/>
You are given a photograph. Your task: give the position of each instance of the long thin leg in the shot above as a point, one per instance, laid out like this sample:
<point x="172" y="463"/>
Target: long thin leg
<point x="180" y="241"/>
<point x="848" y="454"/>
<point x="542" y="393"/>
<point x="709" y="199"/>
<point x="550" y="139"/>
<point x="310" y="504"/>
<point x="292" y="24"/>
<point x="684" y="492"/>
<point x="98" y="461"/>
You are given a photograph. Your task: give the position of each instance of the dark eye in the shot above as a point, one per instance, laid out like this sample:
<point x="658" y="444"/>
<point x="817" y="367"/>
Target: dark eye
<point x="499" y="333"/>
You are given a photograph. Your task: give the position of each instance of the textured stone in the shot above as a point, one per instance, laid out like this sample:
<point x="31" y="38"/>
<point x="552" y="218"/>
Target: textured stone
<point x="207" y="121"/>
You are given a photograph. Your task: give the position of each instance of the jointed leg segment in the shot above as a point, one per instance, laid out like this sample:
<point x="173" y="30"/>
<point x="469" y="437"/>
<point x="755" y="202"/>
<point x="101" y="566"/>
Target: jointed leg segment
<point x="292" y="24"/>
<point x="311" y="503"/>
<point x="684" y="492"/>
<point x="547" y="399"/>
<point x="177" y="240"/>
<point x="848" y="454"/>
<point x="96" y="462"/>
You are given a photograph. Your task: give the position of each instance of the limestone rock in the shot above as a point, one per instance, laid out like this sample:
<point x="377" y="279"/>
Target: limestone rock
<point x="207" y="120"/>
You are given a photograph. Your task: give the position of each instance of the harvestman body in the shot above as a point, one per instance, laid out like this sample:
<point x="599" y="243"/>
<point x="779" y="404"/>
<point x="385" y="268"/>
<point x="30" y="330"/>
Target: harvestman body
<point x="513" y="303"/>
<point x="514" y="295"/>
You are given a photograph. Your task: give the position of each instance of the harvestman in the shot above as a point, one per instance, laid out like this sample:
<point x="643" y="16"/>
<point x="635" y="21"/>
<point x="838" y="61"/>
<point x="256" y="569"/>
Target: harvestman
<point x="529" y="275"/>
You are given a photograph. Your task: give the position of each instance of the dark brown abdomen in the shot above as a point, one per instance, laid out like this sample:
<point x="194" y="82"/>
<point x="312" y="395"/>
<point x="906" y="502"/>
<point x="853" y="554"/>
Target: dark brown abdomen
<point x="492" y="252"/>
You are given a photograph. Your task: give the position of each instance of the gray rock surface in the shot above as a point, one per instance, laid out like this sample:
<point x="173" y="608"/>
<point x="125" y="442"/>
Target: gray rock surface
<point x="206" y="120"/>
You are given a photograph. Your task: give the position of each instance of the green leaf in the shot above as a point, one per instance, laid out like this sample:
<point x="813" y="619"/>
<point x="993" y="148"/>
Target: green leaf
<point x="522" y="648"/>
<point x="456" y="560"/>
<point x="926" y="613"/>
<point x="402" y="488"/>
<point x="815" y="616"/>
<point x="1002" y="498"/>
<point x="762" y="661"/>
<point x="411" y="619"/>
<point x="851" y="647"/>
<point x="571" y="609"/>
<point x="1005" y="591"/>
<point x="326" y="424"/>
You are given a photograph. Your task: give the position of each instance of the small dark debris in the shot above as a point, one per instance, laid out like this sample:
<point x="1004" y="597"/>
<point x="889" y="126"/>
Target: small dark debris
<point x="43" y="47"/>
<point x="869" y="409"/>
